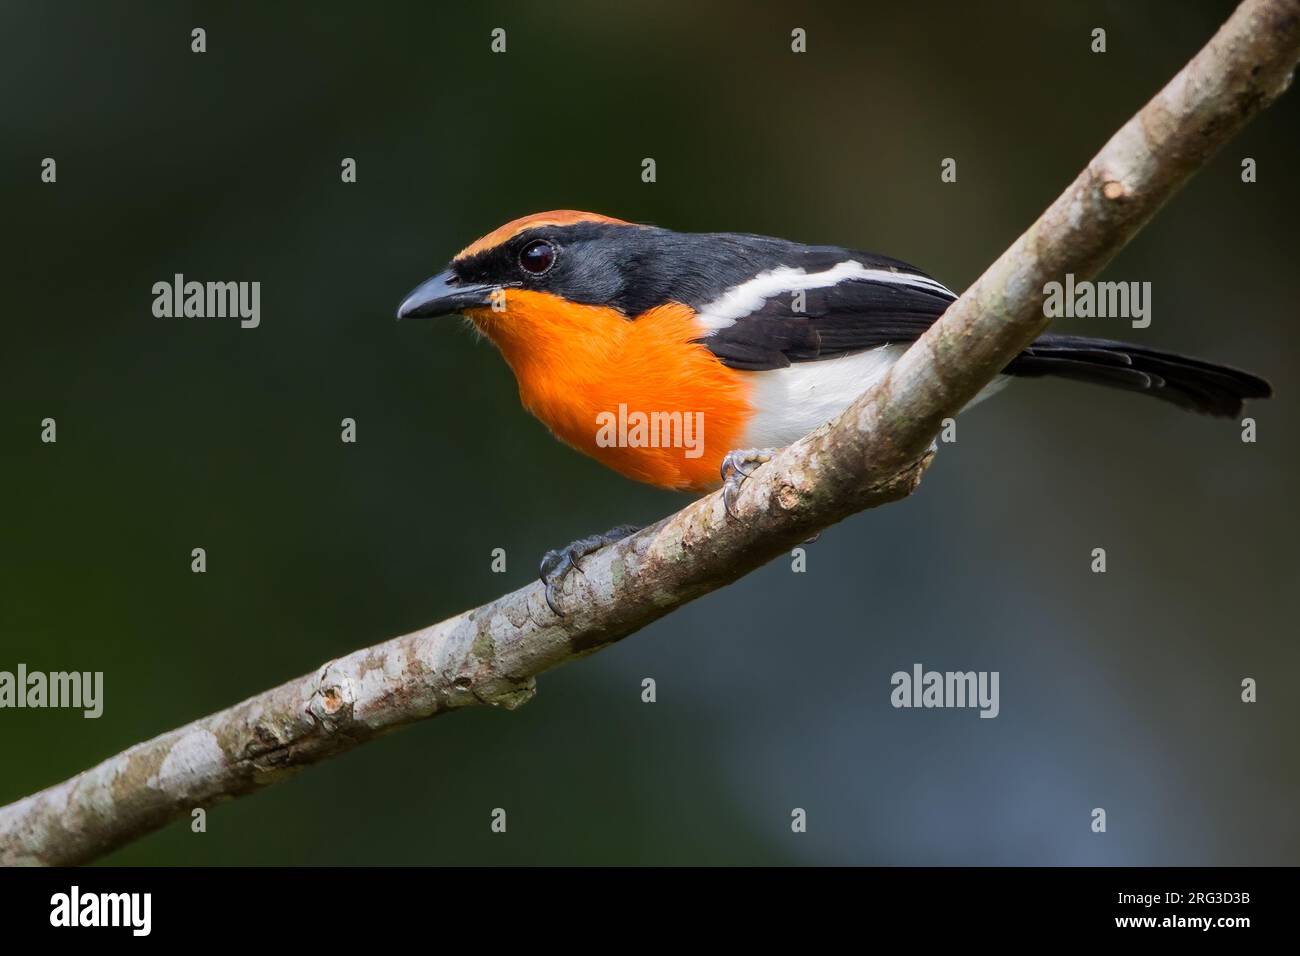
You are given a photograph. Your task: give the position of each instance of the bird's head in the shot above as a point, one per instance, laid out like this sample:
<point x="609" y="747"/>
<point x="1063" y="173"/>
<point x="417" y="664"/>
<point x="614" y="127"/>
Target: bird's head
<point x="539" y="263"/>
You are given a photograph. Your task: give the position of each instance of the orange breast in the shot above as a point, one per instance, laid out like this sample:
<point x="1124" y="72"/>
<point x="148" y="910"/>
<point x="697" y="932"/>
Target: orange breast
<point x="635" y="395"/>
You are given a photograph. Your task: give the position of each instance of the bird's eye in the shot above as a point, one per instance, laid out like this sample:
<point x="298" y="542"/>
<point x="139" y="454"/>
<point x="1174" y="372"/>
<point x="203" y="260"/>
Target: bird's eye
<point x="536" y="257"/>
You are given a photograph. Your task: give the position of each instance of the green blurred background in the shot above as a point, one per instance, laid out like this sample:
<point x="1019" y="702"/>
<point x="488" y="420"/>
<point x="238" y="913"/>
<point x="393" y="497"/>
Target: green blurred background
<point x="1118" y="690"/>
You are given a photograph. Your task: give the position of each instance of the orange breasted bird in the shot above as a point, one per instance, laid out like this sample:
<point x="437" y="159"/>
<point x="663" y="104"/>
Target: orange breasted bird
<point x="685" y="359"/>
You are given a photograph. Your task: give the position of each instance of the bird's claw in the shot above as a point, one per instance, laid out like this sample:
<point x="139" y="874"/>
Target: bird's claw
<point x="736" y="467"/>
<point x="557" y="564"/>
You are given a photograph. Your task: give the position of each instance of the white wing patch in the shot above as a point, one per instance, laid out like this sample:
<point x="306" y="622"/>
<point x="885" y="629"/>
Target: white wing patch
<point x="748" y="297"/>
<point x="790" y="402"/>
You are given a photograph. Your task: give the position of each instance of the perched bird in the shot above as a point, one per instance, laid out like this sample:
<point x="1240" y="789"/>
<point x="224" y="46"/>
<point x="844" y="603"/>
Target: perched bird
<point x="684" y="360"/>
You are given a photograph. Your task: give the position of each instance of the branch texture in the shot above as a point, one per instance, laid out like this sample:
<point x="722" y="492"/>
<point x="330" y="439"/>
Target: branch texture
<point x="874" y="453"/>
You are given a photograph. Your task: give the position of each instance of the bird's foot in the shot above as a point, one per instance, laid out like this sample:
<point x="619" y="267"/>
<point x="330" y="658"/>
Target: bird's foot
<point x="736" y="467"/>
<point x="558" y="563"/>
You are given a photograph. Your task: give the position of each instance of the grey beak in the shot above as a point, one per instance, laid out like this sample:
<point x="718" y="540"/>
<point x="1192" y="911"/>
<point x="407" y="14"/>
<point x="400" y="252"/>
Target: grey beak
<point x="444" y="294"/>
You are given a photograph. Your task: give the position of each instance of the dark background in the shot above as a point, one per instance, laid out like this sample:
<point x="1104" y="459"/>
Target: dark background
<point x="1118" y="690"/>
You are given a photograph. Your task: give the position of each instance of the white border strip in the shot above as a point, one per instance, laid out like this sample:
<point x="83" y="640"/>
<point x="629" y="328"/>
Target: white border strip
<point x="748" y="297"/>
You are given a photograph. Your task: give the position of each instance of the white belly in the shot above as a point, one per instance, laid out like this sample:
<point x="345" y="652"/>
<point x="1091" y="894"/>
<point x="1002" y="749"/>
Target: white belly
<point x="790" y="402"/>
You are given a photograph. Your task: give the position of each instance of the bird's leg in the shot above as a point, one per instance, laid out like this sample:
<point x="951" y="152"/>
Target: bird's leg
<point x="736" y="467"/>
<point x="556" y="564"/>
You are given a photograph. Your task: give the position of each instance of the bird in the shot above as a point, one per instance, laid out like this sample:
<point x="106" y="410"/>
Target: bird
<point x="685" y="360"/>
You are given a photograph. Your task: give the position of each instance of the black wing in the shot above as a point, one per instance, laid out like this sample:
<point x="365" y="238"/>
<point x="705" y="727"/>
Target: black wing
<point x="852" y="315"/>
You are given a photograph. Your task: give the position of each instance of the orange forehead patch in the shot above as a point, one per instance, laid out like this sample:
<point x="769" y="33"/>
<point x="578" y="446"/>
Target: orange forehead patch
<point x="556" y="217"/>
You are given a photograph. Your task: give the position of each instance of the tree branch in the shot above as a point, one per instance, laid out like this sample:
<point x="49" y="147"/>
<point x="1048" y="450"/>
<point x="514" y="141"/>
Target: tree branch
<point x="874" y="453"/>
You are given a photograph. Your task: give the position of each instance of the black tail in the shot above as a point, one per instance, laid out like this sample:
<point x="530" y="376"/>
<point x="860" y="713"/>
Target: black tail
<point x="1187" y="382"/>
